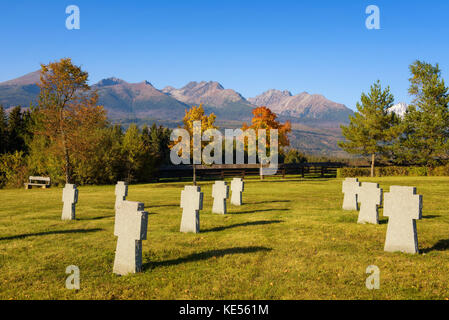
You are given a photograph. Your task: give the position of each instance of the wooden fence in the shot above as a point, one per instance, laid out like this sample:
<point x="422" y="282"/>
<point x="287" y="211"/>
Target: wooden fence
<point x="204" y="172"/>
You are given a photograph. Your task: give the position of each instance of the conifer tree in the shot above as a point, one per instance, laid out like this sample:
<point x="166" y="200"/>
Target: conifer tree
<point x="15" y="130"/>
<point x="3" y="131"/>
<point x="372" y="128"/>
<point x="425" y="140"/>
<point x="133" y="149"/>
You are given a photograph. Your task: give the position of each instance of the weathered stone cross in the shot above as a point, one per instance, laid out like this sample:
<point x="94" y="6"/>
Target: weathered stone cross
<point x="191" y="204"/>
<point x="370" y="197"/>
<point x="220" y="192"/>
<point x="70" y="199"/>
<point x="121" y="192"/>
<point x="237" y="187"/>
<point x="403" y="206"/>
<point x="131" y="223"/>
<point x="350" y="189"/>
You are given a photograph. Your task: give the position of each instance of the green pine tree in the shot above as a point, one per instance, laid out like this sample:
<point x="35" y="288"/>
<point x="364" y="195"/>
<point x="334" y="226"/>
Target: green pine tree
<point x="134" y="152"/>
<point x="16" y="130"/>
<point x="372" y="129"/>
<point x="426" y="124"/>
<point x="3" y="131"/>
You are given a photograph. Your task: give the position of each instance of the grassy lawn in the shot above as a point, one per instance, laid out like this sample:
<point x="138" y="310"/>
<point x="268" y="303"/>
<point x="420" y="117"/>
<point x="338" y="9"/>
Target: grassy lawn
<point x="290" y="240"/>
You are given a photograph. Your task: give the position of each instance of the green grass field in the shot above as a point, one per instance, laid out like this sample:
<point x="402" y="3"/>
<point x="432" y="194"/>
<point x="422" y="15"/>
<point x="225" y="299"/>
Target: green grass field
<point x="290" y="240"/>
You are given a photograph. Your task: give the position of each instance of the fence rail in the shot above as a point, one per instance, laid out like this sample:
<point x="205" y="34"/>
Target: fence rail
<point x="204" y="172"/>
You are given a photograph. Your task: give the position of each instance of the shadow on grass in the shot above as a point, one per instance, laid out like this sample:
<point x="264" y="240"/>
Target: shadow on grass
<point x="272" y="201"/>
<point x="204" y="256"/>
<point x="385" y="220"/>
<point x="431" y="217"/>
<point x="307" y="179"/>
<point x="441" y="245"/>
<point x="162" y="206"/>
<point x="246" y="224"/>
<point x="258" y="210"/>
<point x="21" y="236"/>
<point x="94" y="218"/>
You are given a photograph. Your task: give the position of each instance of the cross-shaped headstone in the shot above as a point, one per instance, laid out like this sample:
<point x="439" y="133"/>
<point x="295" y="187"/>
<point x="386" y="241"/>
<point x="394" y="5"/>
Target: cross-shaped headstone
<point x="191" y="204"/>
<point x="70" y="199"/>
<point x="220" y="192"/>
<point x="237" y="187"/>
<point x="131" y="222"/>
<point x="402" y="206"/>
<point x="350" y="189"/>
<point x="121" y="192"/>
<point x="370" y="197"/>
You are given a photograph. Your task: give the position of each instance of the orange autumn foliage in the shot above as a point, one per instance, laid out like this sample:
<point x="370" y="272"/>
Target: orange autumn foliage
<point x="264" y="118"/>
<point x="67" y="112"/>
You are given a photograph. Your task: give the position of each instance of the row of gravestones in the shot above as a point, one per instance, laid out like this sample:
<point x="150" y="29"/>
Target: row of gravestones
<point x="192" y="202"/>
<point x="401" y="205"/>
<point x="131" y="219"/>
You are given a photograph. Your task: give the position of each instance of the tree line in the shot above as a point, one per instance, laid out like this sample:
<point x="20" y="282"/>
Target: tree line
<point x="114" y="153"/>
<point x="67" y="136"/>
<point x="420" y="137"/>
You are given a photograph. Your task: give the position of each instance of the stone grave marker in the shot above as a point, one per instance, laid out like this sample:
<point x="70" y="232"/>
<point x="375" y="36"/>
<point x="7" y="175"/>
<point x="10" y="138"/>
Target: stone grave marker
<point x="350" y="189"/>
<point x="237" y="188"/>
<point x="131" y="223"/>
<point x="403" y="207"/>
<point x="121" y="192"/>
<point x="191" y="204"/>
<point x="370" y="197"/>
<point x="70" y="199"/>
<point x="220" y="192"/>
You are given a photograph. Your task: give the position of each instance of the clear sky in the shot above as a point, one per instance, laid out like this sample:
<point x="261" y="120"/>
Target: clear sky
<point x="250" y="46"/>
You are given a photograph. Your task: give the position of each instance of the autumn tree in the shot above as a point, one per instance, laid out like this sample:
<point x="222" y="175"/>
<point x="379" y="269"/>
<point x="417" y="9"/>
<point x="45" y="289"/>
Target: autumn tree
<point x="264" y="118"/>
<point x="196" y="113"/>
<point x="67" y="112"/>
<point x="373" y="128"/>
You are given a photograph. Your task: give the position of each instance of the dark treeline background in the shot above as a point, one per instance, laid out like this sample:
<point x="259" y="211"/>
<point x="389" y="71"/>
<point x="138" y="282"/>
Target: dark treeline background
<point x="74" y="142"/>
<point x="133" y="154"/>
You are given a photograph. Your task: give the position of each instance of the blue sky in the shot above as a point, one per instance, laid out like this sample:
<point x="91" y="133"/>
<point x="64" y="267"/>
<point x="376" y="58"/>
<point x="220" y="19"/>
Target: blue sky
<point x="250" y="46"/>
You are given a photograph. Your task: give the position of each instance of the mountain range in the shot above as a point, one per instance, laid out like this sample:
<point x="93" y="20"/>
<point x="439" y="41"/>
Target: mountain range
<point x="313" y="114"/>
<point x="143" y="100"/>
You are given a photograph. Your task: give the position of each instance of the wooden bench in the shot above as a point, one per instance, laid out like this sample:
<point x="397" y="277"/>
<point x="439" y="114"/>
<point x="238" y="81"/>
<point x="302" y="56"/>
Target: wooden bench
<point x="43" y="182"/>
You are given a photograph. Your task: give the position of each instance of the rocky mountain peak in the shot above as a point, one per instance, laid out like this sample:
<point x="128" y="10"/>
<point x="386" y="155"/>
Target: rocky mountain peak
<point x="28" y="79"/>
<point x="110" y="82"/>
<point x="399" y="109"/>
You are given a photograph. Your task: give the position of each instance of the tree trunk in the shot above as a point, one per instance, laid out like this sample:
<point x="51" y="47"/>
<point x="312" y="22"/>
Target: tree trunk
<point x="67" y="167"/>
<point x="373" y="160"/>
<point x="68" y="174"/>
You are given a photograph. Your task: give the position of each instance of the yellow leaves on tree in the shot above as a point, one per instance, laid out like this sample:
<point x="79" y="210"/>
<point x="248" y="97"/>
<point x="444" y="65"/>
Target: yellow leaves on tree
<point x="197" y="114"/>
<point x="264" y="118"/>
<point x="68" y="112"/>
